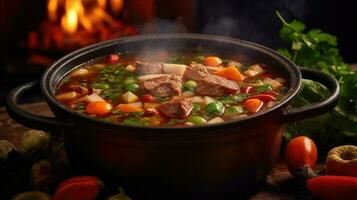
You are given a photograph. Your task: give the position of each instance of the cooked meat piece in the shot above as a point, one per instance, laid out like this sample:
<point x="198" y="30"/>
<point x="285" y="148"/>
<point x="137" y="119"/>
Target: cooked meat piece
<point x="178" y="107"/>
<point x="209" y="84"/>
<point x="143" y="68"/>
<point x="196" y="72"/>
<point x="164" y="86"/>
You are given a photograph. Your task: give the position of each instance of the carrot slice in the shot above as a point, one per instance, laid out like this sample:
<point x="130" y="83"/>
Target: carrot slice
<point x="231" y="73"/>
<point x="129" y="108"/>
<point x="253" y="105"/>
<point x="212" y="61"/>
<point x="98" y="108"/>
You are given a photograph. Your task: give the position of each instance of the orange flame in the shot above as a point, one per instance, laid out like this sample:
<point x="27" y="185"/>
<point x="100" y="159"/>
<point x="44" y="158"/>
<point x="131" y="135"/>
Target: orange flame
<point x="76" y="15"/>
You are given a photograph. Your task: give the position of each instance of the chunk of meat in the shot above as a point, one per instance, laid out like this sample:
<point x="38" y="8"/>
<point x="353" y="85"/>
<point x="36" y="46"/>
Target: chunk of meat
<point x="209" y="84"/>
<point x="178" y="107"/>
<point x="196" y="72"/>
<point x="164" y="86"/>
<point x="143" y="68"/>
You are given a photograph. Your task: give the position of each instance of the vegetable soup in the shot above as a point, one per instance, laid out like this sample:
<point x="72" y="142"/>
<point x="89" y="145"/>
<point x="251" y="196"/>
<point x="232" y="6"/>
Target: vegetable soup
<point x="171" y="90"/>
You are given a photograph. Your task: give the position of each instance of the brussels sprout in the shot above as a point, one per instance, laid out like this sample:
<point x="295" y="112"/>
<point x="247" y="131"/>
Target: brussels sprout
<point x="34" y="139"/>
<point x="32" y="195"/>
<point x="119" y="196"/>
<point x="5" y="148"/>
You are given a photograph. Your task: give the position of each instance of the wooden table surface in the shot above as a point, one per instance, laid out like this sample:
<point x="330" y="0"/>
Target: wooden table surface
<point x="279" y="184"/>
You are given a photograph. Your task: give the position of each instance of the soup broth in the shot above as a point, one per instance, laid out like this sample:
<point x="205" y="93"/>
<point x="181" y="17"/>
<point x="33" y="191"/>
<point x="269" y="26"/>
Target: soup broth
<point x="171" y="90"/>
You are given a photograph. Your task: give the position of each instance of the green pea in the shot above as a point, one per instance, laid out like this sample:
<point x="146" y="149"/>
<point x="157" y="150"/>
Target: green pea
<point x="190" y="85"/>
<point x="197" y="120"/>
<point x="215" y="108"/>
<point x="132" y="87"/>
<point x="234" y="110"/>
<point x="130" y="80"/>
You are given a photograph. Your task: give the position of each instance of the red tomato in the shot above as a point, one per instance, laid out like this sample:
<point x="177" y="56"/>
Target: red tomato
<point x="78" y="187"/>
<point x="148" y="98"/>
<point x="299" y="152"/>
<point x="113" y="58"/>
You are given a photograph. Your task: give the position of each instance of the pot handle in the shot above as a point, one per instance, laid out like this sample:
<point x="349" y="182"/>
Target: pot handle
<point x="319" y="108"/>
<point x="28" y="119"/>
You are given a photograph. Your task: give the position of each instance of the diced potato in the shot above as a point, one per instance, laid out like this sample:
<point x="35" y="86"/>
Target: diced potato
<point x="215" y="120"/>
<point x="137" y="104"/>
<point x="149" y="76"/>
<point x="151" y="105"/>
<point x="208" y="99"/>
<point x="253" y="70"/>
<point x="79" y="72"/>
<point x="130" y="68"/>
<point x="129" y="97"/>
<point x="177" y="69"/>
<point x="197" y="99"/>
<point x="91" y="98"/>
<point x="188" y="94"/>
<point x="67" y="96"/>
<point x="274" y="84"/>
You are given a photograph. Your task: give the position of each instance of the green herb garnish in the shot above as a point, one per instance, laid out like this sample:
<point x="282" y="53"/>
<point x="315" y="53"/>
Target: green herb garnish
<point x="316" y="49"/>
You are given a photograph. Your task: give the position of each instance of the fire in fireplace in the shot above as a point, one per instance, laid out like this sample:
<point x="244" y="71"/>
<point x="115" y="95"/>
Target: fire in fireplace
<point x="75" y="23"/>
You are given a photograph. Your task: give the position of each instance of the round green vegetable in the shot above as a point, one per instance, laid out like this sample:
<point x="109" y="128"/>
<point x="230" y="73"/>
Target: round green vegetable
<point x="190" y="85"/>
<point x="32" y="195"/>
<point x="34" y="139"/>
<point x="130" y="80"/>
<point x="234" y="110"/>
<point x="132" y="87"/>
<point x="5" y="148"/>
<point x="215" y="108"/>
<point x="197" y="120"/>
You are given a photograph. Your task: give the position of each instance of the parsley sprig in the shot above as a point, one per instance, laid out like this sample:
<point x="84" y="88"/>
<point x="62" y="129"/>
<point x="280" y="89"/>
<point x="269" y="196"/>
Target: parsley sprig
<point x="316" y="49"/>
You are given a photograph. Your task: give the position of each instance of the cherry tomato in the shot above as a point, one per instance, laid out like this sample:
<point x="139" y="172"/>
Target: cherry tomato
<point x="113" y="58"/>
<point x="299" y="152"/>
<point x="148" y="98"/>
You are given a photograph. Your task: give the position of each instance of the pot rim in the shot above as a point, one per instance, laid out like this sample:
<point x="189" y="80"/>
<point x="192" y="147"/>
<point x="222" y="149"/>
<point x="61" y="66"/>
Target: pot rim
<point x="293" y="70"/>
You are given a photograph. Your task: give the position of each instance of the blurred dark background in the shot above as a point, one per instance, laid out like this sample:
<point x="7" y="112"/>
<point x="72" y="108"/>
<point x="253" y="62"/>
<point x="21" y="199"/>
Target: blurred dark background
<point x="30" y="42"/>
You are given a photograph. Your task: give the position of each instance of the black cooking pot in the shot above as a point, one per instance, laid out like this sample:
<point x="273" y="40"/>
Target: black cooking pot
<point x="219" y="161"/>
